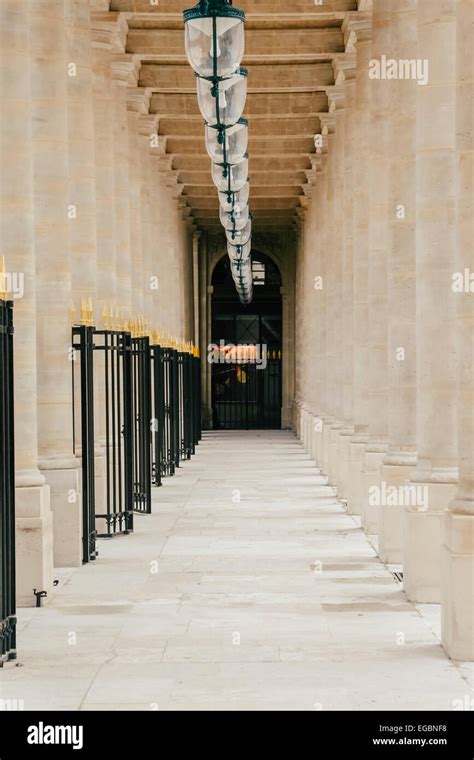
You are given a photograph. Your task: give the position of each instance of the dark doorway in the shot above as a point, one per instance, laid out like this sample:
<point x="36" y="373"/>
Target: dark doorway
<point x="247" y="354"/>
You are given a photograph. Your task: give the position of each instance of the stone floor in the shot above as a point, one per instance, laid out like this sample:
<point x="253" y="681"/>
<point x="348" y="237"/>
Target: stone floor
<point x="248" y="588"/>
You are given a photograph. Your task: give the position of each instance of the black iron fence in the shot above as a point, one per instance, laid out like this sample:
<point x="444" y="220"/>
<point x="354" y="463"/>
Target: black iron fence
<point x="137" y="414"/>
<point x="7" y="488"/>
<point x="247" y="395"/>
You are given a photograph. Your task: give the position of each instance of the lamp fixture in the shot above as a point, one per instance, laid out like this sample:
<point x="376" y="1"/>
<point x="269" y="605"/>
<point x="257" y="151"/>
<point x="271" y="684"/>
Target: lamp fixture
<point x="214" y="42"/>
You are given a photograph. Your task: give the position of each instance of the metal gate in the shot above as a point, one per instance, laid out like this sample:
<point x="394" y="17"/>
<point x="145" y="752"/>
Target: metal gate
<point x="139" y="404"/>
<point x="176" y="409"/>
<point x="166" y="416"/>
<point x="83" y="434"/>
<point x="7" y="488"/>
<point x="105" y="360"/>
<point x="142" y="416"/>
<point x="248" y="396"/>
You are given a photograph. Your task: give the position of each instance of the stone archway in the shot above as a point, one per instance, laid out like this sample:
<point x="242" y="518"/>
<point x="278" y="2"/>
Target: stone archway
<point x="281" y="247"/>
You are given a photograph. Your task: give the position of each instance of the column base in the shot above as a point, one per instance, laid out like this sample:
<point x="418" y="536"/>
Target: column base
<point x="34" y="543"/>
<point x="318" y="441"/>
<point x="356" y="475"/>
<point x="457" y="596"/>
<point x="66" y="506"/>
<point x="326" y="442"/>
<point x="371" y="507"/>
<point x="343" y="462"/>
<point x="391" y="515"/>
<point x="334" y="453"/>
<point x="422" y="531"/>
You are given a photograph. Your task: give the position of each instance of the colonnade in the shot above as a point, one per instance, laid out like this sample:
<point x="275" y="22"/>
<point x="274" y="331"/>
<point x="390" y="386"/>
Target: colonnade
<point x="88" y="210"/>
<point x="385" y="401"/>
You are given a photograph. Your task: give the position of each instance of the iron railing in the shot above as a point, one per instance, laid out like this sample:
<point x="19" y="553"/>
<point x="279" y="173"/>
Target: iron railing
<point x="7" y="488"/>
<point x="142" y="420"/>
<point x="137" y="407"/>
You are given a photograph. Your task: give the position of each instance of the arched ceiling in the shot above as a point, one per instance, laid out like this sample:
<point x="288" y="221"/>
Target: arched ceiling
<point x="295" y="53"/>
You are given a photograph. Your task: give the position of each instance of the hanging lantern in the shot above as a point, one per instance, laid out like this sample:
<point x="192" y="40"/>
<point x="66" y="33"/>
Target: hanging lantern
<point x="236" y="200"/>
<point x="227" y="145"/>
<point x="239" y="252"/>
<point x="214" y="38"/>
<point x="239" y="237"/>
<point x="235" y="220"/>
<point x="222" y="101"/>
<point x="231" y="178"/>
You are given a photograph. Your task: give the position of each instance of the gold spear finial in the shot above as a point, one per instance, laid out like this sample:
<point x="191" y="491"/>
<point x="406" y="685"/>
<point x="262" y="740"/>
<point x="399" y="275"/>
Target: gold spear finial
<point x="83" y="319"/>
<point x="73" y="313"/>
<point x="106" y="317"/>
<point x="90" y="310"/>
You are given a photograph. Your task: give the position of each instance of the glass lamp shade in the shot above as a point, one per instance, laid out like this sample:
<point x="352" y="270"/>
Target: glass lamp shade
<point x="214" y="38"/>
<point x="223" y="101"/>
<point x="239" y="237"/>
<point x="230" y="179"/>
<point x="227" y="145"/>
<point x="239" y="252"/>
<point x="234" y="220"/>
<point x="242" y="271"/>
<point x="236" y="200"/>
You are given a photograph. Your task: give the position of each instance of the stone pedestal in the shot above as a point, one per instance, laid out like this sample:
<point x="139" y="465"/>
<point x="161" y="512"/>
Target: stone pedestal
<point x="357" y="491"/>
<point x="395" y="474"/>
<point x="372" y="464"/>
<point x="34" y="543"/>
<point x="422" y="543"/>
<point x="457" y="572"/>
<point x="343" y="462"/>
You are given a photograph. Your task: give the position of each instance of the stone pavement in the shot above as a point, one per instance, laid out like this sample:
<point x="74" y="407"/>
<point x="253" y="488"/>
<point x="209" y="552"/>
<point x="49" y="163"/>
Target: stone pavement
<point x="249" y="587"/>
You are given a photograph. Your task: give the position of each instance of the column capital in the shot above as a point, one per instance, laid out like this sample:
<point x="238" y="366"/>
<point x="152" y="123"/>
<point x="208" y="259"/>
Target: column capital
<point x="357" y="28"/>
<point x="138" y="100"/>
<point x="148" y="124"/>
<point x="344" y="66"/>
<point x="336" y="98"/>
<point x="125" y="69"/>
<point x="328" y="123"/>
<point x="109" y="31"/>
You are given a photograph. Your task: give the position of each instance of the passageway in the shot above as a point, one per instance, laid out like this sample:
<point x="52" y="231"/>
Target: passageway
<point x="249" y="587"/>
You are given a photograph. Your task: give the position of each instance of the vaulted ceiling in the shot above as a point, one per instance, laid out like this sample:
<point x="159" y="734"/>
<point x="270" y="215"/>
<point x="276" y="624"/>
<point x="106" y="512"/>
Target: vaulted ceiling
<point x="294" y="49"/>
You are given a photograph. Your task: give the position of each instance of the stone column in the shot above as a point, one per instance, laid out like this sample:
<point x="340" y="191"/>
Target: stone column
<point x="435" y="476"/>
<point x="458" y="550"/>
<point x="298" y="333"/>
<point x="346" y="76"/>
<point x="206" y="410"/>
<point x="196" y="238"/>
<point x="104" y="169"/>
<point x="53" y="274"/>
<point x="120" y="81"/>
<point x="362" y="30"/>
<point x="377" y="446"/>
<point x="401" y="279"/>
<point x="82" y="199"/>
<point x="34" y="535"/>
<point x="136" y="229"/>
<point x="81" y="157"/>
<point x="321" y="296"/>
<point x="330" y="286"/>
<point x="338" y="112"/>
<point x="150" y="265"/>
<point x="314" y="271"/>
